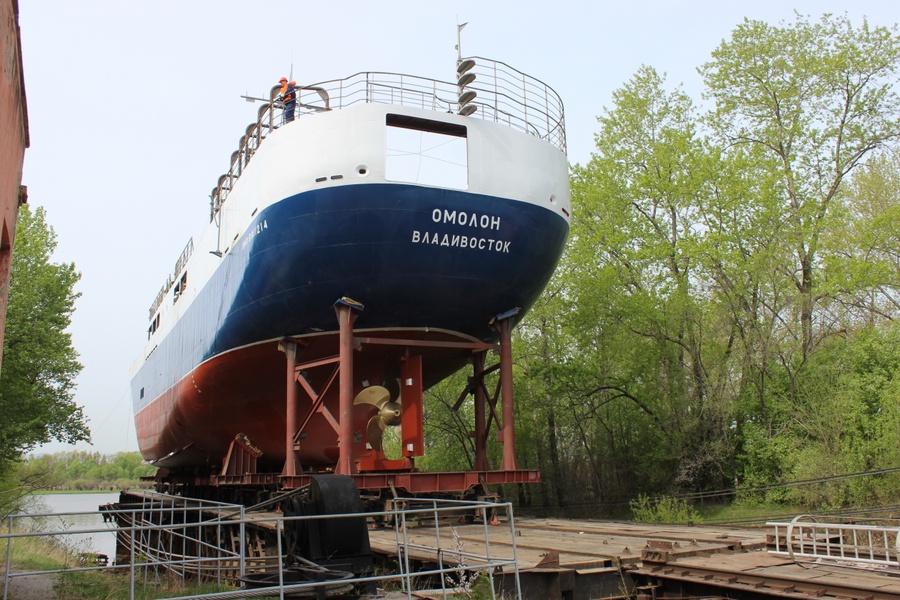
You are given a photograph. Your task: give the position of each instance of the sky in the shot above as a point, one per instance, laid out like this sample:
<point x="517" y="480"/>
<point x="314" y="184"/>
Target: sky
<point x="134" y="109"/>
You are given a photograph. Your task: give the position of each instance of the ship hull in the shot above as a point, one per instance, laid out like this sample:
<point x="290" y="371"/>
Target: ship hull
<point x="416" y="258"/>
<point x="243" y="392"/>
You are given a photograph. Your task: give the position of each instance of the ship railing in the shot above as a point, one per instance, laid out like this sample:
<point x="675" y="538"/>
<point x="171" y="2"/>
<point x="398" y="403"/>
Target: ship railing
<point x="172" y="278"/>
<point x="502" y="95"/>
<point x="862" y="545"/>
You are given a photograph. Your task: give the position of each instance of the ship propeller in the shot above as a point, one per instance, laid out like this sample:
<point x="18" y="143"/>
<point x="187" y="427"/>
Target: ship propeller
<point x="388" y="413"/>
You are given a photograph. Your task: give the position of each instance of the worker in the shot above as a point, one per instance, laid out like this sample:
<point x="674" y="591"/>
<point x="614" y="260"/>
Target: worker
<point x="288" y="97"/>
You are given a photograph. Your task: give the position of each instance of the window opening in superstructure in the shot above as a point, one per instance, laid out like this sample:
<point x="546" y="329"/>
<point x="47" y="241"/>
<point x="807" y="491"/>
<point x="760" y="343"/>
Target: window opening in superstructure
<point x="154" y="325"/>
<point x="180" y="287"/>
<point x="426" y="152"/>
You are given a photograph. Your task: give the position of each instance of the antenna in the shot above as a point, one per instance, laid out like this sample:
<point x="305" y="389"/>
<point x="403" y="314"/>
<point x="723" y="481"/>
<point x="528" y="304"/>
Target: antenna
<point x="464" y="77"/>
<point x="459" y="29"/>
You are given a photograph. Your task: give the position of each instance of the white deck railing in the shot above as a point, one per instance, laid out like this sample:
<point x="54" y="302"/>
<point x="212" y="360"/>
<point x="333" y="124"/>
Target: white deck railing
<point x="502" y="95"/>
<point x="806" y="540"/>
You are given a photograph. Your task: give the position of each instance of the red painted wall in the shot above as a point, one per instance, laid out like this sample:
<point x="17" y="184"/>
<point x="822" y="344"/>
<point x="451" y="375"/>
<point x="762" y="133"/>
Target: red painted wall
<point x="13" y="141"/>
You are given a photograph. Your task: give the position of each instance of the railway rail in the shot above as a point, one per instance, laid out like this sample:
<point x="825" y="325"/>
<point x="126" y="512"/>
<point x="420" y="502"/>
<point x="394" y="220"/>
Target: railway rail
<point x="569" y="559"/>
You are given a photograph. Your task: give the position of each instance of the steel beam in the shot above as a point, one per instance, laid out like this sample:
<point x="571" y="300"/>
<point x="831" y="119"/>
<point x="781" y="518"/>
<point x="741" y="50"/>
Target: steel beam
<point x="481" y="461"/>
<point x="292" y="421"/>
<point x="508" y="432"/>
<point x="346" y="311"/>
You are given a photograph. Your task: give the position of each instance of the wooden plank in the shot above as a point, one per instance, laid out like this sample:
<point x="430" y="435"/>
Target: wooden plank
<point x="775" y="568"/>
<point x="715" y="555"/>
<point x="579" y="544"/>
<point x="710" y="534"/>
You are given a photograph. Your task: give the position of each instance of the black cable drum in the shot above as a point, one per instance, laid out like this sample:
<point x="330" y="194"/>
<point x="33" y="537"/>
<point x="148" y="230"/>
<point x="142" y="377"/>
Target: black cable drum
<point x="337" y="495"/>
<point x="334" y="540"/>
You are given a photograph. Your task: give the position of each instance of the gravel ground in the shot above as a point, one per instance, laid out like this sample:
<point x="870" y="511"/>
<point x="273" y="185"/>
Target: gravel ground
<point x="30" y="587"/>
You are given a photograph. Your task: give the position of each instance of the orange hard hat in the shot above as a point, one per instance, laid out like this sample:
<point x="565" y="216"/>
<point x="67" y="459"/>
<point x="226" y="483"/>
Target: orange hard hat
<point x="282" y="80"/>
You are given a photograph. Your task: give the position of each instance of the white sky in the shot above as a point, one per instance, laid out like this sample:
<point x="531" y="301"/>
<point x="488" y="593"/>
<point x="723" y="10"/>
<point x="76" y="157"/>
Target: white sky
<point x="134" y="110"/>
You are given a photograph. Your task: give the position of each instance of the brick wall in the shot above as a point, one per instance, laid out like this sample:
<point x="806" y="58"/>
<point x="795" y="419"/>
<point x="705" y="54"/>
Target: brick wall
<point x="13" y="141"/>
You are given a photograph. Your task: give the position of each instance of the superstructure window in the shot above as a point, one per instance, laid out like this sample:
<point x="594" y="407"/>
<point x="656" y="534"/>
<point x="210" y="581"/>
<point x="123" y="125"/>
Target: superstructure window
<point x="426" y="152"/>
<point x="154" y="325"/>
<point x="180" y="287"/>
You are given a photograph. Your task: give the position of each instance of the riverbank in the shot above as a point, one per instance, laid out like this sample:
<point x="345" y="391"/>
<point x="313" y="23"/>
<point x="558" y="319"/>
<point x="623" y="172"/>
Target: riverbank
<point x="60" y="492"/>
<point x="30" y="554"/>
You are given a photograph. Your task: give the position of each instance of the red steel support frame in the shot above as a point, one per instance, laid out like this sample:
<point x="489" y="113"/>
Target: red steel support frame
<point x="346" y="311"/>
<point x="508" y="433"/>
<point x="292" y="421"/>
<point x="346" y="315"/>
<point x="481" y="462"/>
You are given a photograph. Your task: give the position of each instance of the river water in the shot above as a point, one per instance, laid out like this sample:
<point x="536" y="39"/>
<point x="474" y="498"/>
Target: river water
<point x="103" y="542"/>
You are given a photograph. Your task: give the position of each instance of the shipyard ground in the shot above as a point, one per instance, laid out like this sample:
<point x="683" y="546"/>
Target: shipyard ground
<point x="550" y="559"/>
<point x="578" y="559"/>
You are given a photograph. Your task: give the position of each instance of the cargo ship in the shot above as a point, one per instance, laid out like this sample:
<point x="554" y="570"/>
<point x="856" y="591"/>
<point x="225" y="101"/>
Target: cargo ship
<point x="428" y="206"/>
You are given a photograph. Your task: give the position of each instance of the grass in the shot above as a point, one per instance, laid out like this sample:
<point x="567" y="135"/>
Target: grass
<point x="103" y="585"/>
<point x="68" y="492"/>
<point x="746" y="514"/>
<point x="35" y="554"/>
<point x="46" y="554"/>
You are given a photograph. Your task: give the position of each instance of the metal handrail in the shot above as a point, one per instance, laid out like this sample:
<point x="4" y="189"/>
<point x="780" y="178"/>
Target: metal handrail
<point x="139" y="535"/>
<point x="804" y="539"/>
<point x="503" y="95"/>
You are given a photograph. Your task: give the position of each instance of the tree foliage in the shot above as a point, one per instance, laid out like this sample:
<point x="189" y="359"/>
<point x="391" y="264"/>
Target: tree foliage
<point x="810" y="102"/>
<point x="725" y="315"/>
<point x="39" y="363"/>
<point x="80" y="470"/>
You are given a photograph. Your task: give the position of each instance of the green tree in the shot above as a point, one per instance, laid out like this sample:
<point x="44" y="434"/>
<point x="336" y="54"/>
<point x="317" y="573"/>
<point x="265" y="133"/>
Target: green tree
<point x="448" y="443"/>
<point x="809" y="102"/>
<point x="640" y="299"/>
<point x="713" y="256"/>
<point x="80" y="469"/>
<point x="724" y="312"/>
<point x="798" y="110"/>
<point x="863" y="265"/>
<point x="39" y="363"/>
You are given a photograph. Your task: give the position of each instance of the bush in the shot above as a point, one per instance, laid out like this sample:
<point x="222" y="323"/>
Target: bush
<point x="664" y="509"/>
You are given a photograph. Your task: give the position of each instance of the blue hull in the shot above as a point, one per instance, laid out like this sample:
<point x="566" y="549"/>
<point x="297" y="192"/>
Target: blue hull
<point x="416" y="257"/>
